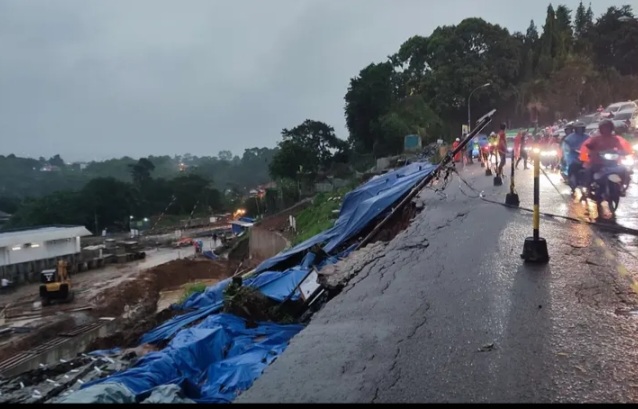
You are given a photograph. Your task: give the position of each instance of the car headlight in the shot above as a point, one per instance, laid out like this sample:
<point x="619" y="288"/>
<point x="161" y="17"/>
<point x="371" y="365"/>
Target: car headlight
<point x="627" y="161"/>
<point x="610" y="156"/>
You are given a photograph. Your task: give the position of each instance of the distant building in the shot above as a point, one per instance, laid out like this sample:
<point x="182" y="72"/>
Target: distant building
<point x="81" y="165"/>
<point x="242" y="225"/>
<point x="49" y="168"/>
<point x="24" y="253"/>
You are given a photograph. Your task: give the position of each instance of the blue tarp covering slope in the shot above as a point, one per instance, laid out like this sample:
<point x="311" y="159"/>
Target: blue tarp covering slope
<point x="220" y="354"/>
<point x="374" y="198"/>
<point x="218" y="358"/>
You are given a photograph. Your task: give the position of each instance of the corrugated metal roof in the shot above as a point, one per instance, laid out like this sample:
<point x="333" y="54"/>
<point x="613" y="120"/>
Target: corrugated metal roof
<point x="19" y="237"/>
<point x="242" y="223"/>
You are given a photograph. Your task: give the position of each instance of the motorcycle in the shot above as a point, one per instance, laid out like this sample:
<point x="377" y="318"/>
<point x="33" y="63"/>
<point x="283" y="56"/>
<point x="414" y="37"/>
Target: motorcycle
<point x="607" y="183"/>
<point x="628" y="163"/>
<point x="549" y="158"/>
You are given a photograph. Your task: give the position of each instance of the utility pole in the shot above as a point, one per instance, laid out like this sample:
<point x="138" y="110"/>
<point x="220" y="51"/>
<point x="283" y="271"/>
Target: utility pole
<point x="469" y="118"/>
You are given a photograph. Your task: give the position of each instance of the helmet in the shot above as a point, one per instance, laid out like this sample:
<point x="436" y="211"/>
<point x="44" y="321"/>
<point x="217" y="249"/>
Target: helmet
<point x="606" y="123"/>
<point x="578" y="125"/>
<point x="458" y="140"/>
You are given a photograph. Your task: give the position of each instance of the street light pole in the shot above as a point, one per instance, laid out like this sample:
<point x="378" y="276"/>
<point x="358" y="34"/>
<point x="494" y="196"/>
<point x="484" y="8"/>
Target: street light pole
<point x="469" y="118"/>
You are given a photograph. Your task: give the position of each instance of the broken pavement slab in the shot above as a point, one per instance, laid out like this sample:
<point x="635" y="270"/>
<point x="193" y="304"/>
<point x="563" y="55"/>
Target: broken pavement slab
<point x="336" y="275"/>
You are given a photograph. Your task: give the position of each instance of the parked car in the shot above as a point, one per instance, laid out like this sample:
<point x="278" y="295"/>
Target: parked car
<point x="589" y="118"/>
<point x="627" y="116"/>
<point x="619" y="106"/>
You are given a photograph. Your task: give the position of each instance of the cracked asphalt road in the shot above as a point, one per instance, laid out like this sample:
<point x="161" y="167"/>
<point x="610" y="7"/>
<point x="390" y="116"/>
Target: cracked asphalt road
<point x="451" y="314"/>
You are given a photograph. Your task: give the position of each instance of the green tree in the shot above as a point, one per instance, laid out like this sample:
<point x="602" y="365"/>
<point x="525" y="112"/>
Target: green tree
<point x="548" y="41"/>
<point x="369" y="97"/>
<point x="225" y="155"/>
<point x="109" y="202"/>
<point x="564" y="32"/>
<point x="56" y="161"/>
<point x="615" y="41"/>
<point x="141" y="171"/>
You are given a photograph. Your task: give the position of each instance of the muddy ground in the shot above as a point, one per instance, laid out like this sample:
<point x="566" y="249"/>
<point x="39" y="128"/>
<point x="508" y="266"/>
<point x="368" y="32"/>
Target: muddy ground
<point x="132" y="301"/>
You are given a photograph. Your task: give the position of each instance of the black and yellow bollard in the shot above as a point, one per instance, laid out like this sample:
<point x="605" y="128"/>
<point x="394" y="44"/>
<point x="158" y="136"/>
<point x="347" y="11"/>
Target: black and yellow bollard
<point x="498" y="178"/>
<point x="535" y="247"/>
<point x="511" y="199"/>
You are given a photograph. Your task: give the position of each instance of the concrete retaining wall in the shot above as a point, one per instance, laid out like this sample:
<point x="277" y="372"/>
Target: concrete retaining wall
<point x="264" y="243"/>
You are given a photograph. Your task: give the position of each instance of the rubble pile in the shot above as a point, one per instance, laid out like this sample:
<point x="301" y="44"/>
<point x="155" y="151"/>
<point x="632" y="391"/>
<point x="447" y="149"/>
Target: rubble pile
<point x="252" y="305"/>
<point x="49" y="384"/>
<point x="335" y="276"/>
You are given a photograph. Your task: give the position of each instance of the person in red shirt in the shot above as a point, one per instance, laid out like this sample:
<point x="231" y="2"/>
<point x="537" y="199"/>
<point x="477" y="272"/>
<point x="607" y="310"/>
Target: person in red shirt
<point x="605" y="140"/>
<point x="502" y="148"/>
<point x="457" y="157"/>
<point x="517" y="144"/>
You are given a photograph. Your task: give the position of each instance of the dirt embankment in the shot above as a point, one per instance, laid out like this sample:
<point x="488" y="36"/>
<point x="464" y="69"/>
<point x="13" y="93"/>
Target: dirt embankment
<point x="132" y="301"/>
<point x="136" y="300"/>
<point x="144" y="290"/>
<point x="280" y="221"/>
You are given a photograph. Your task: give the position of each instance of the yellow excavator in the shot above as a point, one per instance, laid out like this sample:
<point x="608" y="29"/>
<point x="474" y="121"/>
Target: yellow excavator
<point x="56" y="284"/>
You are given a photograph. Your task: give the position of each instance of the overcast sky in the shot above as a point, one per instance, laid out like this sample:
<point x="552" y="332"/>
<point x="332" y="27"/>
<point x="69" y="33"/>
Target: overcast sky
<point x="93" y="79"/>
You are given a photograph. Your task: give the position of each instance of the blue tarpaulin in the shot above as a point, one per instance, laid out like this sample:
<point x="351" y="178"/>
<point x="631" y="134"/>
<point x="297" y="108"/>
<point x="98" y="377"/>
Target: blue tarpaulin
<point x="219" y="354"/>
<point x="219" y="357"/>
<point x="359" y="208"/>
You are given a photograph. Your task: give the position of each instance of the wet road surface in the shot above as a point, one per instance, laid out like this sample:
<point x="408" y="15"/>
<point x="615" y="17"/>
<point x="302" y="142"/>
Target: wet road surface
<point x="450" y="313"/>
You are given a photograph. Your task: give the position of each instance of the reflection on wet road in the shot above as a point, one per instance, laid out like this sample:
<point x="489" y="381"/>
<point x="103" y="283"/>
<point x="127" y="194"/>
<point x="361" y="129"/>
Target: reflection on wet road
<point x="555" y="198"/>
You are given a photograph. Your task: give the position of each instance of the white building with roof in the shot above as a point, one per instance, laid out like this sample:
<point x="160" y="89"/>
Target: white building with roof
<point x="26" y="252"/>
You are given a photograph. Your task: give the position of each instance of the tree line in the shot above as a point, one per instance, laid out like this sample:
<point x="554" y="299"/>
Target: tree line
<point x="107" y="193"/>
<point x="571" y="65"/>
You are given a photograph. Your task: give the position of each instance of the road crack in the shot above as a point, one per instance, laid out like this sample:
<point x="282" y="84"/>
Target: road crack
<point x="394" y="371"/>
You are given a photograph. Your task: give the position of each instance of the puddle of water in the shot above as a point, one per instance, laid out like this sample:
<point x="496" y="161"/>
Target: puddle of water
<point x="168" y="297"/>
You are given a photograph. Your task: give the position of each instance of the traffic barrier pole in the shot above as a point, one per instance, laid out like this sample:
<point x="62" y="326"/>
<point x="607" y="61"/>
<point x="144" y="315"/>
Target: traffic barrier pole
<point x="498" y="178"/>
<point x="480" y="124"/>
<point x="535" y="247"/>
<point x="512" y="197"/>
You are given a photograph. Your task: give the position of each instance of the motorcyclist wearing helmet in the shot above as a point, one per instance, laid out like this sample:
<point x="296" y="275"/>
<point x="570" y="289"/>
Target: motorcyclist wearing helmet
<point x="605" y="140"/>
<point x="571" y="146"/>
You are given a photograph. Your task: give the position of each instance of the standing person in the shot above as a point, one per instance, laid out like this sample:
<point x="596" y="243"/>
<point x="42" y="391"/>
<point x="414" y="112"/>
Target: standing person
<point x="522" y="151"/>
<point x="502" y="148"/>
<point x="493" y="142"/>
<point x="458" y="155"/>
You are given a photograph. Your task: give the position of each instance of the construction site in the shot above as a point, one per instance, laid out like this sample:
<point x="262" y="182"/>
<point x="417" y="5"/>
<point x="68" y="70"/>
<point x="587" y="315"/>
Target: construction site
<point x="126" y="318"/>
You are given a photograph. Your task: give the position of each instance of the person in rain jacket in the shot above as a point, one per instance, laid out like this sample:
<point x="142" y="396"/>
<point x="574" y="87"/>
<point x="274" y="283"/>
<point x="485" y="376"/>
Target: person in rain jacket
<point x="457" y="157"/>
<point x="571" y="147"/>
<point x="502" y="149"/>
